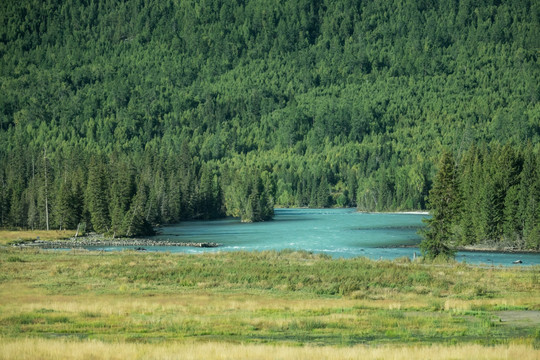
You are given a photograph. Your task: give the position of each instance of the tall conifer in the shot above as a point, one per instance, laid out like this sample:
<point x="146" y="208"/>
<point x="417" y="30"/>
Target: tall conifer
<point x="444" y="200"/>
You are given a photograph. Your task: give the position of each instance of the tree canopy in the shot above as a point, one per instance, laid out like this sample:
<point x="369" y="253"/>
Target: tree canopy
<point x="152" y="112"/>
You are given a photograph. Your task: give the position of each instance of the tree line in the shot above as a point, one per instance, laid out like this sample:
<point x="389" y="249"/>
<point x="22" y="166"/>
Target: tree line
<point x="117" y="195"/>
<point x="488" y="196"/>
<point x="128" y="114"/>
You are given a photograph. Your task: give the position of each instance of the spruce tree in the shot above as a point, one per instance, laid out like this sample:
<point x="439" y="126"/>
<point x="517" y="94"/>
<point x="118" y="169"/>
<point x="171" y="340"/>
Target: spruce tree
<point x="444" y="201"/>
<point x="135" y="223"/>
<point x="529" y="199"/>
<point x="206" y="194"/>
<point x="63" y="208"/>
<point x="466" y="185"/>
<point x="97" y="196"/>
<point x="122" y="191"/>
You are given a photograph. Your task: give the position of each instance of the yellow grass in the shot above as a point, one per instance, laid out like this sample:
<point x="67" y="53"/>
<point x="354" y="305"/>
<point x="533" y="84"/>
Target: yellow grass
<point x="8" y="236"/>
<point x="18" y="298"/>
<point x="23" y="349"/>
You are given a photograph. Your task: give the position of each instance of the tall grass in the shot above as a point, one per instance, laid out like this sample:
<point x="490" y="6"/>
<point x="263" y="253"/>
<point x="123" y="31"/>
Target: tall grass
<point x="30" y="349"/>
<point x="287" y="273"/>
<point x="279" y="298"/>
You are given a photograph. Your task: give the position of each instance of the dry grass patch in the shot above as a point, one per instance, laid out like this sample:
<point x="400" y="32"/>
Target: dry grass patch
<point x="9" y="236"/>
<point x="30" y="349"/>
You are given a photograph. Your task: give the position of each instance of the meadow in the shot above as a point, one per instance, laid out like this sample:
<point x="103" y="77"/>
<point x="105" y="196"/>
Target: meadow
<point x="268" y="304"/>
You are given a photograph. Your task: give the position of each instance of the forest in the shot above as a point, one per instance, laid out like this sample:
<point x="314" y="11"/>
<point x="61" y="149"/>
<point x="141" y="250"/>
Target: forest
<point x="120" y="116"/>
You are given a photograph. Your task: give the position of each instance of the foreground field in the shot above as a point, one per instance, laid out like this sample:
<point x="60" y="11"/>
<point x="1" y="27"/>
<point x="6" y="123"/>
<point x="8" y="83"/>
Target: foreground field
<point x="157" y="304"/>
<point x="30" y="349"/>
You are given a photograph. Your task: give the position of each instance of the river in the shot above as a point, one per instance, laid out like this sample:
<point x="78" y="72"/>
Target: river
<point x="341" y="233"/>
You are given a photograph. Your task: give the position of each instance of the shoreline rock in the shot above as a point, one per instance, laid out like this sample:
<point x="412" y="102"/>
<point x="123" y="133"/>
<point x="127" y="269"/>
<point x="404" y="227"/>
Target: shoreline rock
<point x="478" y="248"/>
<point x="506" y="250"/>
<point x="97" y="242"/>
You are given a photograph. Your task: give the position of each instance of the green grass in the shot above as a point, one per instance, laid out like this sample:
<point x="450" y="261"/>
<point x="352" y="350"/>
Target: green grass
<point x="261" y="297"/>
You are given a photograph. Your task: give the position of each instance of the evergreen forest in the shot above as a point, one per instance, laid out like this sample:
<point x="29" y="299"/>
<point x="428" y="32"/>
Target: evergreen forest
<point x="125" y="115"/>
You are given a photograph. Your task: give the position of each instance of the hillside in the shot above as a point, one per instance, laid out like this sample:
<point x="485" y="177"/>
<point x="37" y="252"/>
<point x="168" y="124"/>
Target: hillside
<point x="126" y="114"/>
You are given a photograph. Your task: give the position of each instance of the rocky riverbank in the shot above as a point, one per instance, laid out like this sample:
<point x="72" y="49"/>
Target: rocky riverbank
<point x="500" y="249"/>
<point x="100" y="241"/>
<point x="479" y="248"/>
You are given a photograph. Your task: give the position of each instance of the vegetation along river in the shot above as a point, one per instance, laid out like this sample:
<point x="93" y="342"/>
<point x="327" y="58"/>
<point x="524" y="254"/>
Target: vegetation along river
<point x="337" y="232"/>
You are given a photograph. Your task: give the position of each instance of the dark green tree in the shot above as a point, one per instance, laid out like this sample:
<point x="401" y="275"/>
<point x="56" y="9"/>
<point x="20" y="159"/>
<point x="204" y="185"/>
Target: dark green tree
<point x="97" y="195"/>
<point x="64" y="211"/>
<point x="135" y="223"/>
<point x="122" y="191"/>
<point x="444" y="202"/>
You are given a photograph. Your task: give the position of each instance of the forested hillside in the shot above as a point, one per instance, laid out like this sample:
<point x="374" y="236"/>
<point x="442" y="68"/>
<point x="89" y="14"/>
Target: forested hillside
<point x="127" y="114"/>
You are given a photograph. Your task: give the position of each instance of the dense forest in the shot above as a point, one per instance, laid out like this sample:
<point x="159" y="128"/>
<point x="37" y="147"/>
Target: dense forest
<point x="123" y="115"/>
<point x="489" y="197"/>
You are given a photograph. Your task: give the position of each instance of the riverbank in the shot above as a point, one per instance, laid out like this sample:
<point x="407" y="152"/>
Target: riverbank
<point x="480" y="248"/>
<point x="410" y="212"/>
<point x="499" y="249"/>
<point x="97" y="240"/>
<point x="405" y="212"/>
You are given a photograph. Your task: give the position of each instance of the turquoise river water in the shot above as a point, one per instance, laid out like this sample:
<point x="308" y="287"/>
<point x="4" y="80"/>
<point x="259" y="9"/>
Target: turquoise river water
<point x="338" y="232"/>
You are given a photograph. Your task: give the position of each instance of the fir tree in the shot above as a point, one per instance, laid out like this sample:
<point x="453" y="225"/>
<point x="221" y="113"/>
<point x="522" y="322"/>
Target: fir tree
<point x="97" y="197"/>
<point x="135" y="223"/>
<point x="444" y="200"/>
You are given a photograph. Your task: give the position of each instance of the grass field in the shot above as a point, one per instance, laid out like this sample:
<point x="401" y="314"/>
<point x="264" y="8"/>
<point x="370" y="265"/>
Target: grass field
<point x="276" y="304"/>
<point x="31" y="349"/>
<point x="11" y="236"/>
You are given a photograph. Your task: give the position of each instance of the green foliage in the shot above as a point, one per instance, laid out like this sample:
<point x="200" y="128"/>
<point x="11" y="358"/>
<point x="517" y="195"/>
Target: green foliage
<point x="490" y="197"/>
<point x="336" y="103"/>
<point x="247" y="197"/>
<point x="445" y="203"/>
<point x="97" y="195"/>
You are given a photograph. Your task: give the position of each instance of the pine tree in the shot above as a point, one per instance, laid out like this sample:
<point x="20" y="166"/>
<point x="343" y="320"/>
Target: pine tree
<point x="63" y="208"/>
<point x="529" y="199"/>
<point x="323" y="193"/>
<point x="122" y="191"/>
<point x="3" y="199"/>
<point x="466" y="185"/>
<point x="97" y="196"/>
<point x="444" y="200"/>
<point x="135" y="223"/>
<point x="174" y="198"/>
<point x="206" y="197"/>
<point x="511" y="225"/>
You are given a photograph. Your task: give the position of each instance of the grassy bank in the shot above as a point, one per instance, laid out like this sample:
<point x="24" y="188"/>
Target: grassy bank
<point x="269" y="298"/>
<point x="12" y="236"/>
